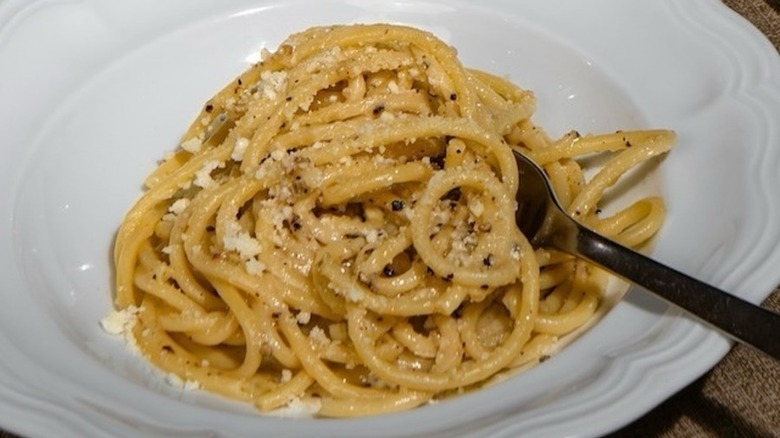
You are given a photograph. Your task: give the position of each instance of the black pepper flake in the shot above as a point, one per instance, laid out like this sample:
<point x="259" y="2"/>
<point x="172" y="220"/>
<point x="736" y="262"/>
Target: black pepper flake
<point x="167" y="349"/>
<point x="378" y="109"/>
<point x="628" y="144"/>
<point x="397" y="205"/>
<point x="438" y="161"/>
<point x="454" y="96"/>
<point x="453" y="195"/>
<point x="288" y="98"/>
<point x="484" y="287"/>
<point x="449" y="277"/>
<point x="210" y="228"/>
<point x="352" y="235"/>
<point x="209" y="108"/>
<point x="388" y="271"/>
<point x="428" y="271"/>
<point x="240" y="82"/>
<point x="598" y="211"/>
<point x="296" y="226"/>
<point x="488" y="261"/>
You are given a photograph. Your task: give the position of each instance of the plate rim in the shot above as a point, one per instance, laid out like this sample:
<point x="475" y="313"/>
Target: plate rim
<point x="714" y="341"/>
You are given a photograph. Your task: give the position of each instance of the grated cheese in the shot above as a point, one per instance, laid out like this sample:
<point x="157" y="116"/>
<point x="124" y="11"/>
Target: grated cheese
<point x="236" y="239"/>
<point x="120" y="322"/>
<point x="476" y="207"/>
<point x="303" y="317"/>
<point x="355" y="295"/>
<point x="298" y="408"/>
<point x="515" y="253"/>
<point x="372" y="236"/>
<point x="239" y="149"/>
<point x="254" y="266"/>
<point x="178" y="207"/>
<point x="319" y="337"/>
<point x="393" y="87"/>
<point x="272" y="83"/>
<point x="203" y="176"/>
<point x="192" y="145"/>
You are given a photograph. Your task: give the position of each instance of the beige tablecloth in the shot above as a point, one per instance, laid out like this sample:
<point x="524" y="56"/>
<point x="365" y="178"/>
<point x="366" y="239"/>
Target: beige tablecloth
<point x="740" y="397"/>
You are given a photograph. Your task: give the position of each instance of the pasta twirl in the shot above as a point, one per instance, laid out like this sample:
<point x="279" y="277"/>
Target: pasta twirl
<point x="337" y="228"/>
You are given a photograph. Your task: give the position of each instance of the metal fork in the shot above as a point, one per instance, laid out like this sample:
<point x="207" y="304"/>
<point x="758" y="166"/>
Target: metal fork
<point x="546" y="224"/>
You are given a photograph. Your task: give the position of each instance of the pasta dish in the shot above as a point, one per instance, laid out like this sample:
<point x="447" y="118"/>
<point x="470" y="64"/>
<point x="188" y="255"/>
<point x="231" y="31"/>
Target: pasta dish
<point x="336" y="229"/>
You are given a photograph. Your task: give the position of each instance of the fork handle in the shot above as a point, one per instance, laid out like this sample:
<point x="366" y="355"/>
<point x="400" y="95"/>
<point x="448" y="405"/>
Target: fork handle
<point x="736" y="318"/>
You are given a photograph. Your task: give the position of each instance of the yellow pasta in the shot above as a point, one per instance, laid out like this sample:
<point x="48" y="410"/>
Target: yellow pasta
<point x="337" y="228"/>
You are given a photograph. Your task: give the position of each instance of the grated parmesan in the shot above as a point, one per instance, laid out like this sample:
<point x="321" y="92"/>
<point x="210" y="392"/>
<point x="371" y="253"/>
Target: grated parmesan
<point x="236" y="239"/>
<point x="177" y="382"/>
<point x="254" y="266"/>
<point x="192" y="145"/>
<point x="355" y="295"/>
<point x="476" y="207"/>
<point x="515" y="253"/>
<point x="298" y="408"/>
<point x="239" y="149"/>
<point x="178" y="207"/>
<point x="120" y="322"/>
<point x="203" y="176"/>
<point x="371" y="236"/>
<point x="303" y="317"/>
<point x="393" y="87"/>
<point x="319" y="337"/>
<point x="272" y="83"/>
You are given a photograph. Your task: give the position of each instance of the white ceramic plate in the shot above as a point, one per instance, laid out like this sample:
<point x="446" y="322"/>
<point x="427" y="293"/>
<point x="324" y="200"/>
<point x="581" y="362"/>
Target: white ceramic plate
<point x="93" y="92"/>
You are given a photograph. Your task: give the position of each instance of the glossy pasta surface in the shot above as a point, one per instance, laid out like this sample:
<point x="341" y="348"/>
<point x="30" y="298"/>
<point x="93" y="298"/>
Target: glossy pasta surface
<point x="337" y="229"/>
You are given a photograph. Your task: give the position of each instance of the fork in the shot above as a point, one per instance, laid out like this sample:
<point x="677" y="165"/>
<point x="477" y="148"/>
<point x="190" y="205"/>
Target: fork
<point x="545" y="223"/>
